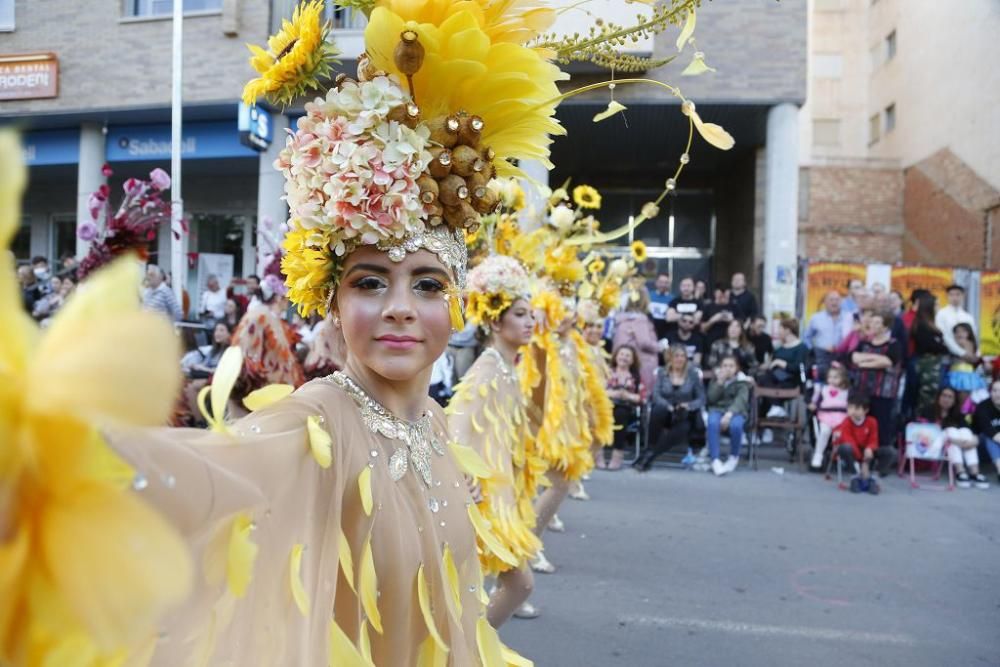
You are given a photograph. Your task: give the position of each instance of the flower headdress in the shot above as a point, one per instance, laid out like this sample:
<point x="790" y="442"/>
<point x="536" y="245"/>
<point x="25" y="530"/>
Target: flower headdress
<point x="494" y="285"/>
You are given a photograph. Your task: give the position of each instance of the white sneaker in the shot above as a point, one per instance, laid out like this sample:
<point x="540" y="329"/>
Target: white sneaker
<point x="556" y="525"/>
<point x="767" y="437"/>
<point x="817" y="460"/>
<point x="777" y="412"/>
<point x="580" y="493"/>
<point x="718" y="467"/>
<point x="541" y="564"/>
<point x="730" y="464"/>
<point x="703" y="453"/>
<point x="527" y="611"/>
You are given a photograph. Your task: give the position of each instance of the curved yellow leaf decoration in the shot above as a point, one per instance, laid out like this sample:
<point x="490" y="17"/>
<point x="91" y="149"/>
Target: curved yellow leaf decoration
<point x="368" y="582"/>
<point x="423" y="597"/>
<point x="469" y="461"/>
<point x="365" y="641"/>
<point x="697" y="66"/>
<point x="514" y="659"/>
<point x="320" y="442"/>
<point x="431" y="655"/>
<point x="241" y="554"/>
<point x="613" y="108"/>
<point x="342" y="652"/>
<point x="226" y="374"/>
<point x="346" y="560"/>
<point x="265" y="396"/>
<point x="710" y="132"/>
<point x="485" y="533"/>
<point x="490" y="653"/>
<point x="454" y="585"/>
<point x="365" y="489"/>
<point x="295" y="580"/>
<point x="687" y="30"/>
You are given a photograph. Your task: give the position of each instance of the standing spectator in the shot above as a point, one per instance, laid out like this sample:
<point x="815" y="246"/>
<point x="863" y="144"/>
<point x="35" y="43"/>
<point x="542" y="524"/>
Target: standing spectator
<point x="858" y="333"/>
<point x="199" y="364"/>
<point x="763" y="345"/>
<point x="876" y="368"/>
<point x="856" y="440"/>
<point x="68" y="265"/>
<point x="929" y="352"/>
<point x="963" y="375"/>
<point x="896" y="303"/>
<point x="685" y="304"/>
<point x="40" y="267"/>
<point x="735" y="344"/>
<point x="625" y="391"/>
<point x="856" y="293"/>
<point x="952" y="314"/>
<point x="634" y="328"/>
<point x="687" y="337"/>
<point x="743" y="300"/>
<point x="829" y="404"/>
<point x="957" y="439"/>
<point x="677" y="398"/>
<point x="717" y="317"/>
<point x="442" y="377"/>
<point x="159" y="297"/>
<point x="728" y="400"/>
<point x="908" y="317"/>
<point x="212" y="305"/>
<point x="659" y="302"/>
<point x="986" y="424"/>
<point x="701" y="293"/>
<point x="826" y="330"/>
<point x="462" y="346"/>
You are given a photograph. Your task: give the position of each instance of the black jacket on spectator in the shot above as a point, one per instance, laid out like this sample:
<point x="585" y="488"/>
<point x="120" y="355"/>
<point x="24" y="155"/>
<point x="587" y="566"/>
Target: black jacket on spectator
<point x="763" y="345"/>
<point x="745" y="305"/>
<point x="691" y="392"/>
<point x="986" y="419"/>
<point x="927" y="340"/>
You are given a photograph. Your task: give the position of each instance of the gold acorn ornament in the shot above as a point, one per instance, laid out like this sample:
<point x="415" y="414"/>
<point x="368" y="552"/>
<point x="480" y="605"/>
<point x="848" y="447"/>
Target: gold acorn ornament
<point x="476" y="180"/>
<point x="408" y="114"/>
<point x="470" y="130"/>
<point x="462" y="215"/>
<point x="440" y="165"/>
<point x="444" y="130"/>
<point x="429" y="189"/>
<point x="466" y="161"/>
<point x="452" y="190"/>
<point x="409" y="57"/>
<point x="484" y="200"/>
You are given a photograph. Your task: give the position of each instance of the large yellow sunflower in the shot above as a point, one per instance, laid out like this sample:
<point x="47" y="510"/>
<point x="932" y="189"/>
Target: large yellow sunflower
<point x="309" y="269"/>
<point x="586" y="197"/>
<point x="300" y="55"/>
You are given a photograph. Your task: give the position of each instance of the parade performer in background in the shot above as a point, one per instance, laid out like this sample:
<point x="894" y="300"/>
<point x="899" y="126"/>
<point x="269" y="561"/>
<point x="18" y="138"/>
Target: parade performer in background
<point x="488" y="411"/>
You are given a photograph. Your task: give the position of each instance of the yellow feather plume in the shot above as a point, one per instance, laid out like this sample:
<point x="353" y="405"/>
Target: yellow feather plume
<point x="295" y="580"/>
<point x="368" y="583"/>
<point x="241" y="555"/>
<point x="423" y="597"/>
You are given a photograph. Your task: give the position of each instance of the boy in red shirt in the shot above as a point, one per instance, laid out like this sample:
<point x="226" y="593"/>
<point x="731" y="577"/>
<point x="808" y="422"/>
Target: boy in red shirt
<point x="856" y="440"/>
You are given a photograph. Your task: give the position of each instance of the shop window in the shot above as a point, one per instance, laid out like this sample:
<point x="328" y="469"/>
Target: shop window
<point x="874" y="129"/>
<point x="826" y="132"/>
<point x="890" y="46"/>
<point x="345" y="18"/>
<point x="63" y="236"/>
<point x="165" y="7"/>
<point x="6" y="15"/>
<point x="890" y="118"/>
<point x="219" y="233"/>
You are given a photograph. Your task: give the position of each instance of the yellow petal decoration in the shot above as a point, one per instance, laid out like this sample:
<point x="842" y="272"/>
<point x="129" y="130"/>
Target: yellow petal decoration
<point x="455" y="312"/>
<point x="710" y="132"/>
<point x="490" y="653"/>
<point x="469" y="461"/>
<point x="242" y="553"/>
<point x="365" y="489"/>
<point x="368" y="583"/>
<point x="342" y="652"/>
<point x="485" y="533"/>
<point x="697" y="66"/>
<point x="346" y="560"/>
<point x="423" y="597"/>
<point x="320" y="442"/>
<point x="295" y="580"/>
<point x="613" y="108"/>
<point x="513" y="658"/>
<point x="265" y="396"/>
<point x="431" y="655"/>
<point x="454" y="585"/>
<point x="687" y="30"/>
<point x="226" y="374"/>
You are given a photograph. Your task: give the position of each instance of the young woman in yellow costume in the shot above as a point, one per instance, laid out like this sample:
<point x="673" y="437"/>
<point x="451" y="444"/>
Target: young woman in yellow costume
<point x="488" y="412"/>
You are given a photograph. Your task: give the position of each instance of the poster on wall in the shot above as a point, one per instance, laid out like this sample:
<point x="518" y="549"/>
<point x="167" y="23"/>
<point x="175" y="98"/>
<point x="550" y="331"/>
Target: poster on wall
<point x="905" y="279"/>
<point x="824" y="277"/>
<point x="989" y="313"/>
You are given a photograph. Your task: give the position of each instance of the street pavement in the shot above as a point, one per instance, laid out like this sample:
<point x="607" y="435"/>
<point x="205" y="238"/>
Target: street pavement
<point x="681" y="568"/>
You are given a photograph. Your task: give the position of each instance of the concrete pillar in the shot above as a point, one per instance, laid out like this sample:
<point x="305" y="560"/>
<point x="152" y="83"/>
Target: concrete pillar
<point x="88" y="175"/>
<point x="271" y="185"/>
<point x="781" y="212"/>
<point x="535" y="204"/>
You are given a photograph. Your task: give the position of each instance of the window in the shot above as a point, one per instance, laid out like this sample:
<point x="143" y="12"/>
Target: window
<point x="166" y="7"/>
<point x="63" y="235"/>
<point x="345" y="18"/>
<point x="828" y="65"/>
<point x="890" y="118"/>
<point x="826" y="132"/>
<point x="890" y="46"/>
<point x="6" y="15"/>
<point x="874" y="129"/>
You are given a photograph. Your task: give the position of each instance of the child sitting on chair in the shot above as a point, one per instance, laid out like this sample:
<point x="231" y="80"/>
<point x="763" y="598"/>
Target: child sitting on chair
<point x="856" y="440"/>
<point x="829" y="402"/>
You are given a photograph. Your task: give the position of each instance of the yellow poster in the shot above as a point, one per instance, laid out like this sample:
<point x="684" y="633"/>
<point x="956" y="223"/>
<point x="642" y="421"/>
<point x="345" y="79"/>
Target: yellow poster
<point x="905" y="279"/>
<point x="989" y="313"/>
<point x="825" y="277"/>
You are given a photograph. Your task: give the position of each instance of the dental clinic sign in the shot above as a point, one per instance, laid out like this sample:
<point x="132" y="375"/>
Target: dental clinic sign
<point x="29" y="76"/>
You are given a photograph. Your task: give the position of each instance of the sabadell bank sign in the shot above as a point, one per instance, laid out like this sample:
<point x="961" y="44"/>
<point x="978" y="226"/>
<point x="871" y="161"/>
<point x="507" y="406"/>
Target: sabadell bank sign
<point x="140" y="148"/>
<point x="199" y="140"/>
<point x="29" y="76"/>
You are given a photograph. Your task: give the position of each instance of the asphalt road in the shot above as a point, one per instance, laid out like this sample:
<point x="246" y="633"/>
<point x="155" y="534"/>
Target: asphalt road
<point x="681" y="568"/>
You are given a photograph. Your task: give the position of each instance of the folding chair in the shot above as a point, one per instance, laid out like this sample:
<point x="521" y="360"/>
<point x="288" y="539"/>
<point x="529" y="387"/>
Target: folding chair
<point x="835" y="458"/>
<point x="793" y="424"/>
<point x="926" y="442"/>
<point x="636" y="428"/>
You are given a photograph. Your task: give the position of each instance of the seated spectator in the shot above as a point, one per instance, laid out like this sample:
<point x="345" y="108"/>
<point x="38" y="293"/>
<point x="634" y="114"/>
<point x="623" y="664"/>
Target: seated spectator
<point x="625" y="390"/>
<point x="763" y="345"/>
<point x="718" y="314"/>
<point x="634" y="328"/>
<point x="199" y="364"/>
<point x="963" y="376"/>
<point x="986" y="424"/>
<point x="213" y="301"/>
<point x="676" y="401"/>
<point x="876" y="368"/>
<point x="786" y="369"/>
<point x="728" y="401"/>
<point x="701" y="294"/>
<point x="442" y="376"/>
<point x="734" y="343"/>
<point x="856" y="442"/>
<point x="829" y="403"/>
<point x="959" y="442"/>
<point x="687" y="337"/>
